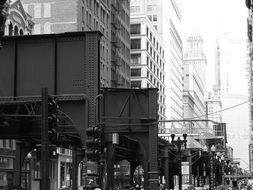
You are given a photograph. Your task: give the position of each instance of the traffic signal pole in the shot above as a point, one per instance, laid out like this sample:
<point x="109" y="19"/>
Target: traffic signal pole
<point x="45" y="184"/>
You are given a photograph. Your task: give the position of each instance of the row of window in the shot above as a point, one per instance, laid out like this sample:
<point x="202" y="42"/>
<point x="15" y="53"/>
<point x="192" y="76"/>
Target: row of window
<point x="152" y="18"/>
<point x="136" y="45"/>
<point x="92" y="3"/>
<point x="39" y="10"/>
<point x="153" y="67"/>
<point x="160" y="76"/>
<point x="155" y="56"/>
<point x="136" y="29"/>
<point x="155" y="43"/>
<point x="155" y="82"/>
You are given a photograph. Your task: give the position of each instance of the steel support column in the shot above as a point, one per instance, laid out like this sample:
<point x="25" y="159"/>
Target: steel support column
<point x="145" y="168"/>
<point x="45" y="183"/>
<point x="166" y="166"/>
<point x="211" y="174"/>
<point x="153" y="157"/>
<point x="17" y="165"/>
<point x="190" y="166"/>
<point x="110" y="167"/>
<point x="74" y="169"/>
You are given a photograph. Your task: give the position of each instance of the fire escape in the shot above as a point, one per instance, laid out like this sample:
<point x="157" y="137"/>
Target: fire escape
<point x="115" y="45"/>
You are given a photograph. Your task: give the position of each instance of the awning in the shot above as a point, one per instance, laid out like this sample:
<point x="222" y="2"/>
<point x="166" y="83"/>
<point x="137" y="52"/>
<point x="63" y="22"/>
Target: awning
<point x="193" y="144"/>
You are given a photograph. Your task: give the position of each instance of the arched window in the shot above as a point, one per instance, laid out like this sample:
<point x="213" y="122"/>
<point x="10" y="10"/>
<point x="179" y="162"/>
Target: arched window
<point x="10" y="29"/>
<point x="15" y="30"/>
<point x="21" y="32"/>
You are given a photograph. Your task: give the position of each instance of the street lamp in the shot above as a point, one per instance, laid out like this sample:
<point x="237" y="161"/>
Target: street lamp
<point x="179" y="144"/>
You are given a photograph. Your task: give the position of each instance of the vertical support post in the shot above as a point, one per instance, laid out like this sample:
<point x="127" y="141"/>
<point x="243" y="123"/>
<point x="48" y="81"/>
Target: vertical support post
<point x="207" y="114"/>
<point x="145" y="167"/>
<point x="153" y="158"/>
<point x="222" y="173"/>
<point x="45" y="184"/>
<point x="74" y="169"/>
<point x="110" y="167"/>
<point x="180" y="172"/>
<point x="190" y="166"/>
<point x="132" y="170"/>
<point x="211" y="174"/>
<point x="17" y="165"/>
<point x="166" y="167"/>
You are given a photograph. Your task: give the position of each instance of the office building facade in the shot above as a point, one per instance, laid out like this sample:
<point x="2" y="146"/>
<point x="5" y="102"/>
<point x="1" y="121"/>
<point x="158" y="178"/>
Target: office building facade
<point x="165" y="16"/>
<point x="147" y="61"/>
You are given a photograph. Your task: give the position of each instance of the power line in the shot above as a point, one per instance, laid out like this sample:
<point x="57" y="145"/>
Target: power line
<point x="220" y="110"/>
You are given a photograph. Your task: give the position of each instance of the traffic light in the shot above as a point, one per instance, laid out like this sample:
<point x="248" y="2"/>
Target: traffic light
<point x="52" y="118"/>
<point x="93" y="142"/>
<point x="2" y="17"/>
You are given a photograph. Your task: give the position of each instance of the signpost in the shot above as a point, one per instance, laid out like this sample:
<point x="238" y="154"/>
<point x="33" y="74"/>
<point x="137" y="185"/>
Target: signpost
<point x="185" y="167"/>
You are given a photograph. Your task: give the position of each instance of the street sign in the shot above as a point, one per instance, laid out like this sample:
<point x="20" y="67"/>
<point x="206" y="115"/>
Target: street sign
<point x="185" y="168"/>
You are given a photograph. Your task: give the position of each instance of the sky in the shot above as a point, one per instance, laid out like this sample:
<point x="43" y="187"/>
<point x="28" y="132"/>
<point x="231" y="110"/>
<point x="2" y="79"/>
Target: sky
<point x="224" y="20"/>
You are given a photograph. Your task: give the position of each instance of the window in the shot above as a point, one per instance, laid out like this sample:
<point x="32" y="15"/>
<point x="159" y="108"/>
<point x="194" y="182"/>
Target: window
<point x="135" y="9"/>
<point x="37" y="10"/>
<point x="135" y="59"/>
<point x="150" y="17"/>
<point x="135" y="28"/>
<point x="135" y="84"/>
<point x="47" y="10"/>
<point x="152" y="7"/>
<point x="154" y="18"/>
<point x="136" y="72"/>
<point x="135" y="43"/>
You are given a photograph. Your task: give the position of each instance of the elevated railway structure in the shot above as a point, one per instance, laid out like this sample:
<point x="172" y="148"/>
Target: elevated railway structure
<point x="50" y="96"/>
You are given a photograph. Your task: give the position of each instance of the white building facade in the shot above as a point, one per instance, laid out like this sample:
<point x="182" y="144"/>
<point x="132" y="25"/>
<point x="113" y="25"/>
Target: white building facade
<point x="165" y="16"/>
<point x="147" y="61"/>
<point x="194" y="74"/>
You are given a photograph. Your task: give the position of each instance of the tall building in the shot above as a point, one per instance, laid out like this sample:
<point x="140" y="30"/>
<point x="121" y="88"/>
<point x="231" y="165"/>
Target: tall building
<point x="194" y="78"/>
<point x="147" y="60"/>
<point x="110" y="17"/>
<point x="165" y="16"/>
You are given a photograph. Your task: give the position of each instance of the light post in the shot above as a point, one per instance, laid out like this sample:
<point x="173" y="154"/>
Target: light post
<point x="178" y="144"/>
<point x="220" y="157"/>
<point x="213" y="149"/>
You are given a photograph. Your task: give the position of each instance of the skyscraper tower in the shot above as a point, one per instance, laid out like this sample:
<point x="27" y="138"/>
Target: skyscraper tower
<point x="194" y="79"/>
<point x="217" y="85"/>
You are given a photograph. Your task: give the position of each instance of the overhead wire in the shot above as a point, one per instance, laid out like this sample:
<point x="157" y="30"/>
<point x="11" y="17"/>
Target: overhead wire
<point x="222" y="110"/>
